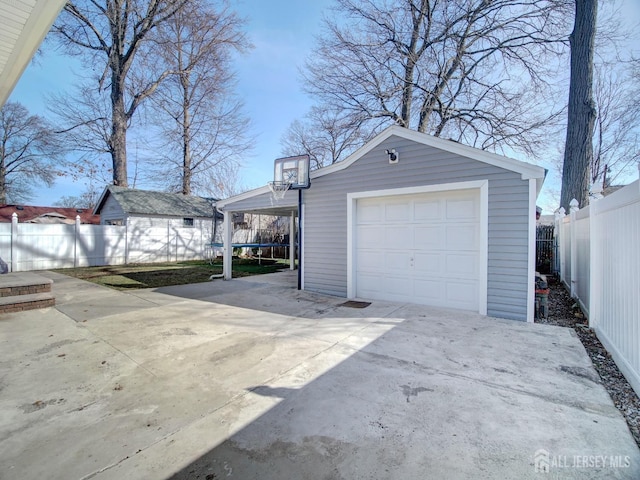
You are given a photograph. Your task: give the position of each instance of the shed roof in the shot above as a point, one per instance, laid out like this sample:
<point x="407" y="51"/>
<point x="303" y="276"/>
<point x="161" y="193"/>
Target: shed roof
<point x="145" y="202"/>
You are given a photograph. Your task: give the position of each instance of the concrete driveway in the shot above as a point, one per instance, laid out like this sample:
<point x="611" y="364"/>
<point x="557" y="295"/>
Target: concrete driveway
<point x="251" y="379"/>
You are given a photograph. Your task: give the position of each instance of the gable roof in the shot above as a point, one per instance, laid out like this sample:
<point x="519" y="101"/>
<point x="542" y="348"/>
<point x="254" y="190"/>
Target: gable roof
<point x="526" y="170"/>
<point x="28" y="213"/>
<point x="145" y="202"/>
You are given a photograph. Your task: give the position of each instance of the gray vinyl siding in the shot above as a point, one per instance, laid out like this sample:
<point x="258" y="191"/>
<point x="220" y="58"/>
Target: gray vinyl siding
<point x="325" y="221"/>
<point x="111" y="210"/>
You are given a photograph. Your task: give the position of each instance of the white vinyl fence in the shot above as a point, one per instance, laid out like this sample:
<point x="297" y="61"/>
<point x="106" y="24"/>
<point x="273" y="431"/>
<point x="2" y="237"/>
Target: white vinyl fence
<point x="28" y="246"/>
<point x="600" y="265"/>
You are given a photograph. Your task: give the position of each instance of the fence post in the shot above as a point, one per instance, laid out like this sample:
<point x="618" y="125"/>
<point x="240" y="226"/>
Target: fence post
<point x="227" y="251"/>
<point x="168" y="240"/>
<point x="558" y="254"/>
<point x="595" y="262"/>
<point x="75" y="242"/>
<point x="573" y="209"/>
<point x="14" y="242"/>
<point x="292" y="241"/>
<point x="126" y="241"/>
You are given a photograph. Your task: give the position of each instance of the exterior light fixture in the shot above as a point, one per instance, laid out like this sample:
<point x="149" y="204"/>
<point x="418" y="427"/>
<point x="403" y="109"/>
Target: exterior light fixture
<point x="393" y="156"/>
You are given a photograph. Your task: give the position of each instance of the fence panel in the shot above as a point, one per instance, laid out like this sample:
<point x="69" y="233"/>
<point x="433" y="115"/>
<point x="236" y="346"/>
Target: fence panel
<point x="617" y="258"/>
<point x="40" y="247"/>
<point x="26" y="246"/>
<point x="148" y="244"/>
<point x="565" y="272"/>
<point x="582" y="257"/>
<point x="605" y="274"/>
<point x="5" y="242"/>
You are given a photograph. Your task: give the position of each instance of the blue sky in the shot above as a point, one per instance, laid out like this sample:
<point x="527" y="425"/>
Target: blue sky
<point x="282" y="32"/>
<point x="268" y="82"/>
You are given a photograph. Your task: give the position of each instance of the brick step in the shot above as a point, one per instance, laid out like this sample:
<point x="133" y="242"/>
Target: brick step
<point x="32" y="301"/>
<point x="23" y="283"/>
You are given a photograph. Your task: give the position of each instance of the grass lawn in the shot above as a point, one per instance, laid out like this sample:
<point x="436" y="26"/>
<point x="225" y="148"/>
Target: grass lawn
<point x="152" y="275"/>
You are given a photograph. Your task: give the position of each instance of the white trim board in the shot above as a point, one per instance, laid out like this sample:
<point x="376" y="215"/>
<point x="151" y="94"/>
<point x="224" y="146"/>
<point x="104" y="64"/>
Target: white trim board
<point x="481" y="185"/>
<point x="531" y="259"/>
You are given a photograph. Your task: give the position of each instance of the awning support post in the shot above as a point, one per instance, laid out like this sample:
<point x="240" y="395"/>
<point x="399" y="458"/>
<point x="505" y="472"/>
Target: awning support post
<point x="292" y="241"/>
<point x="227" y="247"/>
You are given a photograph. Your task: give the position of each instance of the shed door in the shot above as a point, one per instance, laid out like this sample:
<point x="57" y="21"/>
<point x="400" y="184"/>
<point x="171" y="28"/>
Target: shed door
<point x="421" y="248"/>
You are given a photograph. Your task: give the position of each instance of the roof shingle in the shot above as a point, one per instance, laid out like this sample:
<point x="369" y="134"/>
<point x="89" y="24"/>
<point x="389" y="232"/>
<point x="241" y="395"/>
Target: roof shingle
<point x="144" y="202"/>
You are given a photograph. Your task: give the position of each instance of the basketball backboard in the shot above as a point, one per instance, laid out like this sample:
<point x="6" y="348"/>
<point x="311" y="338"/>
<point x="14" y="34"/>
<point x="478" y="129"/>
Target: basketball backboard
<point x="293" y="171"/>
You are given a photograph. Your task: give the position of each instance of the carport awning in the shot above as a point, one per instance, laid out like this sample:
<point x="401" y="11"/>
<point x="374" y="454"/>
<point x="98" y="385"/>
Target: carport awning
<point x="260" y="201"/>
<point x="284" y="211"/>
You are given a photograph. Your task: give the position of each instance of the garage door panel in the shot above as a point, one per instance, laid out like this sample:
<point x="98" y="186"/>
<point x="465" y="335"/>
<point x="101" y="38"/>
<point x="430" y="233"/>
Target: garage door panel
<point x="369" y="212"/>
<point x="430" y="210"/>
<point x="369" y="236"/>
<point x="396" y="289"/>
<point x="427" y="238"/>
<point x="368" y="260"/>
<point x="428" y="292"/>
<point x="396" y="262"/>
<point x="428" y="264"/>
<point x="461" y="264"/>
<point x="461" y="237"/>
<point x="399" y="212"/>
<point x="461" y="209"/>
<point x="398" y="237"/>
<point x="368" y="284"/>
<point x="462" y="294"/>
<point x="400" y="286"/>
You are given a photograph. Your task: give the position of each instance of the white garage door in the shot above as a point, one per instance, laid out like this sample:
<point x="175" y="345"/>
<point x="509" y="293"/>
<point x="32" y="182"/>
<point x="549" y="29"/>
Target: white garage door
<point x="422" y="248"/>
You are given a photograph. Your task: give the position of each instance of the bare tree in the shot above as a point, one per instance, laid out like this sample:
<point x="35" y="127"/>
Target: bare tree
<point x="29" y="152"/>
<point x="223" y="182"/>
<point x="199" y="118"/>
<point x="87" y="199"/>
<point x="327" y="136"/>
<point x="578" y="152"/>
<point x="472" y="70"/>
<point x="111" y="36"/>
<point x="616" y="139"/>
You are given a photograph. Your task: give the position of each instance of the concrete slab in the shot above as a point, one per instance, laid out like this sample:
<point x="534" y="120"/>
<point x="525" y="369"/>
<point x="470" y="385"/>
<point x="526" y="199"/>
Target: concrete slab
<point x="21" y="279"/>
<point x="253" y="379"/>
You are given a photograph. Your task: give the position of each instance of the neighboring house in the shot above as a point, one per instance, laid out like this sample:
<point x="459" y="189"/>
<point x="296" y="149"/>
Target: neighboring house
<point x="444" y="225"/>
<point x="47" y="215"/>
<point x="142" y="208"/>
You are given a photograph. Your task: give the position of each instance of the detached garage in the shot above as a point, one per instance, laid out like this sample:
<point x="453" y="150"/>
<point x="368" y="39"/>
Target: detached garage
<point x="417" y="219"/>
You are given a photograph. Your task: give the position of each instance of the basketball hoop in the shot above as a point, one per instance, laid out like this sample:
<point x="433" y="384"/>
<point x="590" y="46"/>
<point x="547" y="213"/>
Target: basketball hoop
<point x="279" y="189"/>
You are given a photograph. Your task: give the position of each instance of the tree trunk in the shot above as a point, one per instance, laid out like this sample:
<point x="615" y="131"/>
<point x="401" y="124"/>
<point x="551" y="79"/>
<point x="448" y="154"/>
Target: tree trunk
<point x="186" y="133"/>
<point x="3" y="185"/>
<point x="118" y="131"/>
<point x="186" y="156"/>
<point x="578" y="151"/>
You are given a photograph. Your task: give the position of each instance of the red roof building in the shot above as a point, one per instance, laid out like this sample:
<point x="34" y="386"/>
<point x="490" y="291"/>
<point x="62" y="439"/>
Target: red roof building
<point x="29" y="214"/>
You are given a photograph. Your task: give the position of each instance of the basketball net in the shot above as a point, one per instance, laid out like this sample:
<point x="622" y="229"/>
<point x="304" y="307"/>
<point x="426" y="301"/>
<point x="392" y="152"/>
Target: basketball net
<point x="278" y="189"/>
